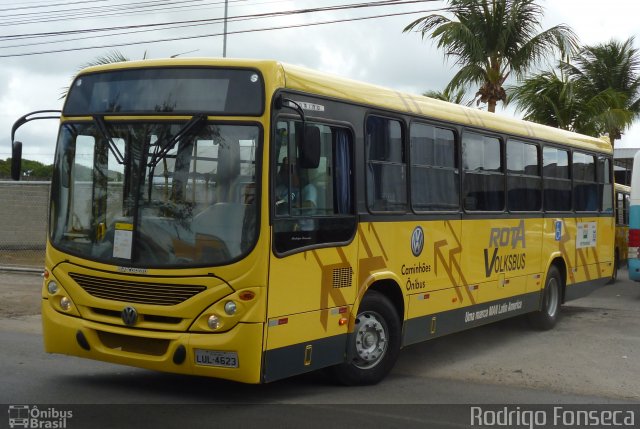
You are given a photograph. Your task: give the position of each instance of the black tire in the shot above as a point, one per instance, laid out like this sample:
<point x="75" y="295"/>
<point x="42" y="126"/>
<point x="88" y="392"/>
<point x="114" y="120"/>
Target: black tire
<point x="547" y="316"/>
<point x="374" y="345"/>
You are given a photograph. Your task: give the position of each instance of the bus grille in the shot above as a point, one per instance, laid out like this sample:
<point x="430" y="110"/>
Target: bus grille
<point x="136" y="292"/>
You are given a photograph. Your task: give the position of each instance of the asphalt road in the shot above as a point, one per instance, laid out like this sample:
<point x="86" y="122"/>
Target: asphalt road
<point x="591" y="357"/>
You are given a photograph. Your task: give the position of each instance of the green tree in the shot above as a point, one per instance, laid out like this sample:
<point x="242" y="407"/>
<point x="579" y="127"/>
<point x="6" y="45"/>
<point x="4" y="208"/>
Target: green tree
<point x="31" y="170"/>
<point x="598" y="93"/>
<point x="606" y="76"/>
<point x="547" y="98"/>
<point x="492" y="39"/>
<point x="5" y="168"/>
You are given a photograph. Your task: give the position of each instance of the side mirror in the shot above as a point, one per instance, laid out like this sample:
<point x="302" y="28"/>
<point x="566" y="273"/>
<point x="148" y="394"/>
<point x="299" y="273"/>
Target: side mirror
<point x="310" y="150"/>
<point x="16" y="160"/>
<point x="16" y="147"/>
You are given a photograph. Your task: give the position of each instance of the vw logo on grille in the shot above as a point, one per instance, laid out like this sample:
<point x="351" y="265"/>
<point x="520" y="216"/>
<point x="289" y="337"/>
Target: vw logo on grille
<point x="129" y="316"/>
<point x="417" y="241"/>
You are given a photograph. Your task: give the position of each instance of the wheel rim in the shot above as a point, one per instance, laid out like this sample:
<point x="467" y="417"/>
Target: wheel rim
<point x="371" y="339"/>
<point x="553" y="296"/>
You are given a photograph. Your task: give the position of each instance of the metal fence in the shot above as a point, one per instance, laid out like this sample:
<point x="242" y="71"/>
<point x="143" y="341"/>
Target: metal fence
<point x="23" y="224"/>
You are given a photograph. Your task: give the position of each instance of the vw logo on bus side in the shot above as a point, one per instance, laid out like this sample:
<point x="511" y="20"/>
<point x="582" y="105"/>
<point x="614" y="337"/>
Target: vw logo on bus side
<point x="129" y="316"/>
<point x="417" y="241"/>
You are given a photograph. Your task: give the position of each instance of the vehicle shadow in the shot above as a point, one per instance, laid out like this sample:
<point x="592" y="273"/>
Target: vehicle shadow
<point x="125" y="384"/>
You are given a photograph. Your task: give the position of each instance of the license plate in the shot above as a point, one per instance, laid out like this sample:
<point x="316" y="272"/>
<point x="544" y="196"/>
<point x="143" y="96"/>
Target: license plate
<point x="216" y="358"/>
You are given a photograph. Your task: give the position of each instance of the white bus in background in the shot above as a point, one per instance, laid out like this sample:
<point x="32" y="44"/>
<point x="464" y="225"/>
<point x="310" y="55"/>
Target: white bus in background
<point x="634" y="221"/>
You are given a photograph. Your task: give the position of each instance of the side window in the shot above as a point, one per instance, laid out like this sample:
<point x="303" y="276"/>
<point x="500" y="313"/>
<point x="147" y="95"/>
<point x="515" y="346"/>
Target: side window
<point x="483" y="183"/>
<point x="524" y="183"/>
<point x="312" y="205"/>
<point x="557" y="181"/>
<point x="386" y="167"/>
<point x="83" y="176"/>
<point x="585" y="187"/>
<point x="621" y="207"/>
<point x="627" y="203"/>
<point x="604" y="182"/>
<point x="435" y="178"/>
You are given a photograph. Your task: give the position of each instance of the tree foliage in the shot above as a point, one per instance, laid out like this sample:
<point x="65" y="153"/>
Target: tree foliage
<point x="31" y="170"/>
<point x="597" y="93"/>
<point x="492" y="39"/>
<point x="606" y="75"/>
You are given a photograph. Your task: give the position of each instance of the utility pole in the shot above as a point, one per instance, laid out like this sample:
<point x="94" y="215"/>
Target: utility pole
<point x="224" y="39"/>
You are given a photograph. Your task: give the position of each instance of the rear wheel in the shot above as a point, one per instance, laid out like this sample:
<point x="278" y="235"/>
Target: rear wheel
<point x="374" y="345"/>
<point x="547" y="316"/>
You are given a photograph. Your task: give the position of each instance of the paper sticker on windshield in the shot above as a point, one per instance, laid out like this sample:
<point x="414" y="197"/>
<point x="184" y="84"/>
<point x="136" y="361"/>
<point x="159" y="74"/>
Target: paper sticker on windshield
<point x="122" y="240"/>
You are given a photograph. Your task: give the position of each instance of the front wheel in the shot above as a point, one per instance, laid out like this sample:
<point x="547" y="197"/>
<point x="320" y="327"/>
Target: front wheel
<point x="374" y="345"/>
<point x="547" y="316"/>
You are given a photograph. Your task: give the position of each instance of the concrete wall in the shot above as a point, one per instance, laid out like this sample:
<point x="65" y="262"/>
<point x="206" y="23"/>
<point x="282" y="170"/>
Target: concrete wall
<point x="23" y="215"/>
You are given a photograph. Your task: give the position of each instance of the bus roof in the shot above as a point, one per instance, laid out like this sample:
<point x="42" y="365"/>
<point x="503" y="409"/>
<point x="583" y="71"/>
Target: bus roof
<point x="622" y="188"/>
<point x="336" y="87"/>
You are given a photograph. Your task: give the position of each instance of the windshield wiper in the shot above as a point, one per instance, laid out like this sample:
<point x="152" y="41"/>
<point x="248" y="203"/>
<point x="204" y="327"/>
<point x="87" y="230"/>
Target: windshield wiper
<point x="102" y="127"/>
<point x="193" y="126"/>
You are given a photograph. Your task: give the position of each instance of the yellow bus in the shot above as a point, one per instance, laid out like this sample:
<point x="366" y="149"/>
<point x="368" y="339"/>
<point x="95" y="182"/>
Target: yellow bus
<point x="621" y="210"/>
<point x="253" y="220"/>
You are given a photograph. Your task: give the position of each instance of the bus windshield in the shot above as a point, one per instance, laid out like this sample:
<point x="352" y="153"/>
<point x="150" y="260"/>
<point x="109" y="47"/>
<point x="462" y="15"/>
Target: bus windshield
<point x="149" y="194"/>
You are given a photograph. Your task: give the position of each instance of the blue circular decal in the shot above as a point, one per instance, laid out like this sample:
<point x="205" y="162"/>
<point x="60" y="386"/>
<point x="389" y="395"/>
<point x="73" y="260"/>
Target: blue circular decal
<point x="417" y="241"/>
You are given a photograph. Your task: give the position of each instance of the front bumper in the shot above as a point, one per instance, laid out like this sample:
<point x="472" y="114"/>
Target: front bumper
<point x="161" y="351"/>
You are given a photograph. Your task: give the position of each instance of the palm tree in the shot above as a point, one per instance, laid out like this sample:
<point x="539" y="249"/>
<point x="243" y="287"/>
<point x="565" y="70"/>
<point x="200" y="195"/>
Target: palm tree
<point x="609" y="74"/>
<point x="599" y="93"/>
<point x="492" y="39"/>
<point x="547" y="98"/>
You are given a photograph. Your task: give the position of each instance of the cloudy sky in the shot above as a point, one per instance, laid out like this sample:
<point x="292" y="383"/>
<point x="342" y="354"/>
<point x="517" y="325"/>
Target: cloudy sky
<point x="374" y="50"/>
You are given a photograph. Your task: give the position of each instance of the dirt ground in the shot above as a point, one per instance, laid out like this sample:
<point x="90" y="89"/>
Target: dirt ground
<point x="20" y="294"/>
<point x="22" y="258"/>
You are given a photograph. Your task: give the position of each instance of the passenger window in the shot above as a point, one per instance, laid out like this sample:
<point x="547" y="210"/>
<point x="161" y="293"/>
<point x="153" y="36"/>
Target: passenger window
<point x="435" y="179"/>
<point x="585" y="187"/>
<point x="386" y="167"/>
<point x="483" y="183"/>
<point x="524" y="184"/>
<point x="604" y="182"/>
<point x="557" y="181"/>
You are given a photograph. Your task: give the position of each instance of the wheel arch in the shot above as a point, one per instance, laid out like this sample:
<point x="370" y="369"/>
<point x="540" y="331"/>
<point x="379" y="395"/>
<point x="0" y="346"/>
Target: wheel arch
<point x="391" y="290"/>
<point x="561" y="265"/>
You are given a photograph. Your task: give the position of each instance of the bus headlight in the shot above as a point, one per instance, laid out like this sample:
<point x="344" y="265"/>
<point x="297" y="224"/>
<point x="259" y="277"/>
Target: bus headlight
<point x="52" y="287"/>
<point x="230" y="308"/>
<point x="55" y="296"/>
<point x="225" y="314"/>
<point x="65" y="303"/>
<point x="214" y="322"/>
